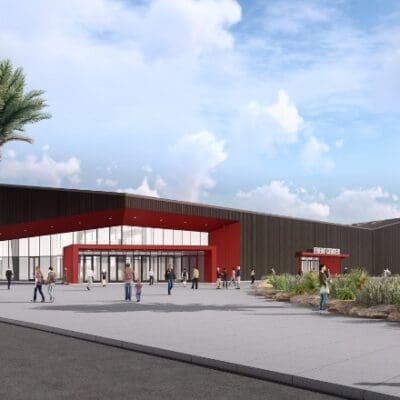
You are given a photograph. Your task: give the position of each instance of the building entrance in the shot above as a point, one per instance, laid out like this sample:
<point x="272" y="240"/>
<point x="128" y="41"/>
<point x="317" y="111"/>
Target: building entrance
<point x="113" y="263"/>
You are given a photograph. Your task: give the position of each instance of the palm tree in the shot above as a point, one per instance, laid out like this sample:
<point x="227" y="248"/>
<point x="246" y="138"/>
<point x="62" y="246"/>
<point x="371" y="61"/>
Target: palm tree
<point x="16" y="107"/>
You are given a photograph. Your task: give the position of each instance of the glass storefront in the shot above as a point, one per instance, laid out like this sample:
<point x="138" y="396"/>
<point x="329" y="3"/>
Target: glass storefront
<point x="113" y="263"/>
<point x="22" y="255"/>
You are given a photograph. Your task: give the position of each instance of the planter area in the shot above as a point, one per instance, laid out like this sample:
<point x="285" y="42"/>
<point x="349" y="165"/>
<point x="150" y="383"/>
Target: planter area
<point x="377" y="298"/>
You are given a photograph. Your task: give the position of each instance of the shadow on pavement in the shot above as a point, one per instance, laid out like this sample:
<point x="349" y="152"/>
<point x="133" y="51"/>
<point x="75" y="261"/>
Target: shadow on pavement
<point x="154" y="307"/>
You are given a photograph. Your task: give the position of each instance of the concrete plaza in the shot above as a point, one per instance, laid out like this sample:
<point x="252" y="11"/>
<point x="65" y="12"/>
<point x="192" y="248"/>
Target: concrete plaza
<point x="228" y="325"/>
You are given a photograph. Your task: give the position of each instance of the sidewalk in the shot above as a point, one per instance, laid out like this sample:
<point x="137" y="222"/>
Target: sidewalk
<point x="228" y="325"/>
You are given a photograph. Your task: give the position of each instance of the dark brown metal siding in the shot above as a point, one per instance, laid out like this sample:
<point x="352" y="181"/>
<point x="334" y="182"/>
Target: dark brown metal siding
<point x="266" y="241"/>
<point x="387" y="249"/>
<point x="21" y="204"/>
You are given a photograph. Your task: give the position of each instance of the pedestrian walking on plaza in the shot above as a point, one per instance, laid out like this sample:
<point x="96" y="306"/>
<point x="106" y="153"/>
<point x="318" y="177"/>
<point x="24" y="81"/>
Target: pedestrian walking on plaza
<point x="89" y="278"/>
<point x="323" y="287"/>
<point x="238" y="277"/>
<point x="51" y="283"/>
<point x="185" y="277"/>
<point x="65" y="276"/>
<point x="138" y="290"/>
<point x="219" y="275"/>
<point x="38" y="284"/>
<point x="195" y="278"/>
<point x="170" y="277"/>
<point x="233" y="277"/>
<point x="104" y="278"/>
<point x="128" y="279"/>
<point x="253" y="275"/>
<point x="151" y="277"/>
<point x="225" y="278"/>
<point x="9" y="275"/>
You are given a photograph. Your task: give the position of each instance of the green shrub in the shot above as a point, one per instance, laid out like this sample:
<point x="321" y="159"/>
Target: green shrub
<point x="345" y="293"/>
<point x="283" y="281"/>
<point x="380" y="291"/>
<point x="310" y="282"/>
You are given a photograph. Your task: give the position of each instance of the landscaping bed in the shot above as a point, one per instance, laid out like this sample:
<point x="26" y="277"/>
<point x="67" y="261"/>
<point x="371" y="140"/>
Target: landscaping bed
<point x="355" y="295"/>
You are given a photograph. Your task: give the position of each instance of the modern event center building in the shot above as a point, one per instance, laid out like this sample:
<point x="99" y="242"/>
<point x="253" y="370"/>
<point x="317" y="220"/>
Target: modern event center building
<point x="74" y="230"/>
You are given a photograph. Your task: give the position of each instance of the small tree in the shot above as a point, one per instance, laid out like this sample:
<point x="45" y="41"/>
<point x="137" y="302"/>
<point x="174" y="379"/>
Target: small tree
<point x="16" y="107"/>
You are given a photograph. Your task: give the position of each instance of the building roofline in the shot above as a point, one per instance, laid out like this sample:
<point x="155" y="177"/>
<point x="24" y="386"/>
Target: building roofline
<point x="179" y="202"/>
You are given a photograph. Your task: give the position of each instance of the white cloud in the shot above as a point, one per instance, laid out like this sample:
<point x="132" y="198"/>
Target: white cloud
<point x="278" y="198"/>
<point x="106" y="182"/>
<point x="269" y="125"/>
<point x="315" y="155"/>
<point x="192" y="159"/>
<point x="39" y="171"/>
<point x="339" y="143"/>
<point x="143" y="189"/>
<point x="359" y="205"/>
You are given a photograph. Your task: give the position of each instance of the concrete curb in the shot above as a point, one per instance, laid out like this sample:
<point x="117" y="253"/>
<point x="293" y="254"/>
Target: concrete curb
<point x="347" y="392"/>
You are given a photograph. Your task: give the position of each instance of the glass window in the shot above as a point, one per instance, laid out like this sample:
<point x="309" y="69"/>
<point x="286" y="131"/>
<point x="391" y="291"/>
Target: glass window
<point x="137" y="235"/>
<point x="204" y="238"/>
<point x="34" y="246"/>
<point x="23" y="268"/>
<point x="126" y="234"/>
<point x="177" y="238"/>
<point x="55" y="242"/>
<point x="103" y="236"/>
<point x="186" y="238"/>
<point x="4" y="248"/>
<point x="195" y="238"/>
<point x="45" y="245"/>
<point x="158" y="236"/>
<point x="90" y="236"/>
<point x="79" y="237"/>
<point x="23" y="247"/>
<point x="148" y="236"/>
<point x="168" y="236"/>
<point x="66" y="239"/>
<point x="115" y="235"/>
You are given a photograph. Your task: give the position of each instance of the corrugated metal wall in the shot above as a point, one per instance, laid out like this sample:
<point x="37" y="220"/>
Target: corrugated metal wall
<point x="266" y="241"/>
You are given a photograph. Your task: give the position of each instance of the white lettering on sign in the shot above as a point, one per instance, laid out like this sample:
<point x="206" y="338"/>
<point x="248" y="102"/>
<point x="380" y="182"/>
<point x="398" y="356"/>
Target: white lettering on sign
<point x="326" y="250"/>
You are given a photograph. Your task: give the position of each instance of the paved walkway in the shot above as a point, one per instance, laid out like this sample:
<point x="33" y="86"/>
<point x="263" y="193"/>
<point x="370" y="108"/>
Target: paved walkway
<point x="228" y="325"/>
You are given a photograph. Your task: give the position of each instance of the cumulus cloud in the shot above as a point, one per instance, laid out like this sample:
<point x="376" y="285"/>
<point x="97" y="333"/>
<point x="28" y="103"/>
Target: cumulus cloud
<point x="359" y="205"/>
<point x="315" y="155"/>
<point x="278" y="198"/>
<point x="39" y="171"/>
<point x="192" y="160"/>
<point x="143" y="189"/>
<point x="269" y="125"/>
<point x="106" y="182"/>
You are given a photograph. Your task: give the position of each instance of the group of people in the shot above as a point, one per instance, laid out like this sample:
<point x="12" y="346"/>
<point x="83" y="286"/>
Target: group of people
<point x="50" y="281"/>
<point x="222" y="276"/>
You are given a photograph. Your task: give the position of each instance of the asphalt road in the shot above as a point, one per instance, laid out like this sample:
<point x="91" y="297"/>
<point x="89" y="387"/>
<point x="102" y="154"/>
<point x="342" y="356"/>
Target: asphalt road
<point x="38" y="365"/>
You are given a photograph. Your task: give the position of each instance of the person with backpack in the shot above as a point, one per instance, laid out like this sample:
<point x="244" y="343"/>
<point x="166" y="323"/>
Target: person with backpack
<point x="51" y="283"/>
<point x="9" y="275"/>
<point x="38" y="284"/>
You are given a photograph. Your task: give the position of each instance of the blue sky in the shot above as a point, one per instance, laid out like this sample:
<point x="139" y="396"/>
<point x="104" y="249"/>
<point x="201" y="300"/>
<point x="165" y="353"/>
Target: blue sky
<point x="284" y="107"/>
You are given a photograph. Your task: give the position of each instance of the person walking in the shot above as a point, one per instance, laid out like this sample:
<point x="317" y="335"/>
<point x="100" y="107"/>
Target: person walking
<point x="138" y="290"/>
<point x="151" y="277"/>
<point x="323" y="288"/>
<point x="9" y="275"/>
<point x="195" y="278"/>
<point x="128" y="279"/>
<point x="253" y="275"/>
<point x="185" y="277"/>
<point x="104" y="278"/>
<point x="170" y="276"/>
<point x="233" y="277"/>
<point x="38" y="284"/>
<point x="225" y="278"/>
<point x="219" y="274"/>
<point x="89" y="278"/>
<point x="51" y="283"/>
<point x="238" y="277"/>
